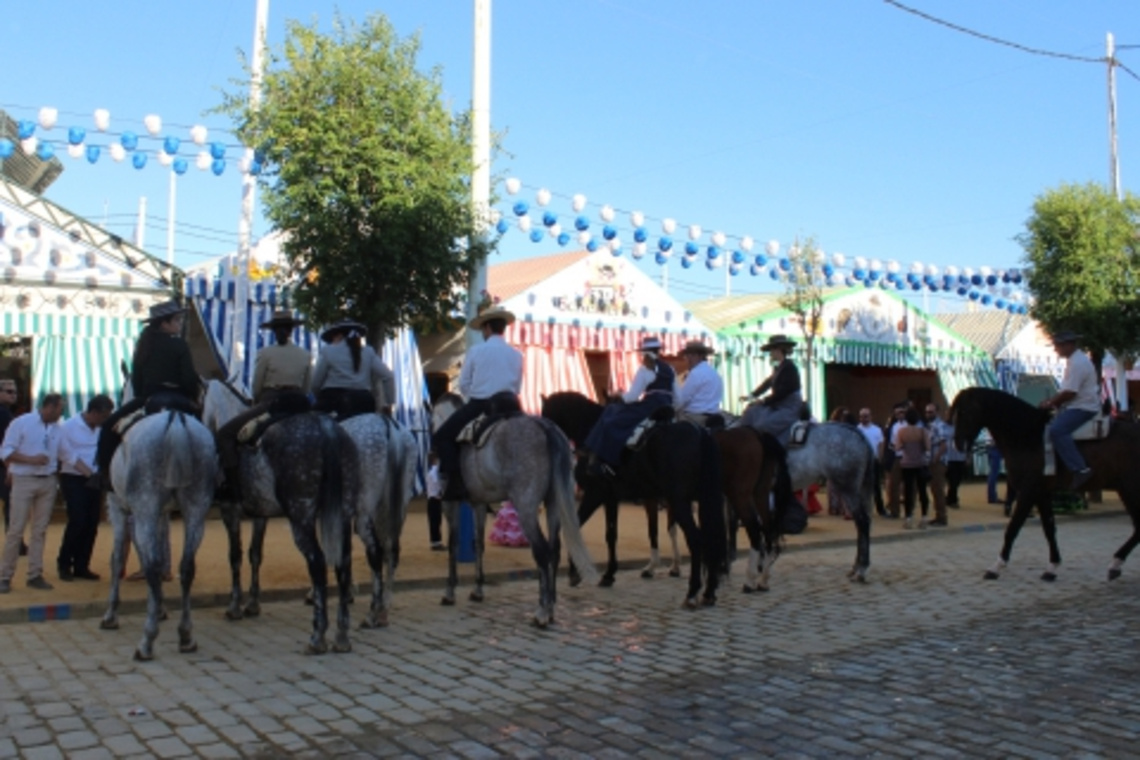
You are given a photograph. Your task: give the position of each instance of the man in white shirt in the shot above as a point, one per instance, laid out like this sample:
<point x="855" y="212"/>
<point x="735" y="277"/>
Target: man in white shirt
<point x="703" y="391"/>
<point x="1076" y="403"/>
<point x="489" y="368"/>
<point x="79" y="438"/>
<point x="874" y="435"/>
<point x="31" y="451"/>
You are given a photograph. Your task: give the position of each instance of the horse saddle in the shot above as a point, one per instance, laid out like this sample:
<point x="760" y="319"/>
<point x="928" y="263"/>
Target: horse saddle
<point x="1094" y="429"/>
<point x="284" y="406"/>
<point x="798" y="434"/>
<point x="478" y="431"/>
<point x="662" y="416"/>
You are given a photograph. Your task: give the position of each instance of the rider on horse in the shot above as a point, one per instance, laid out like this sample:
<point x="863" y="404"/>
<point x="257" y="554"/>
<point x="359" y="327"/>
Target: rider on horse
<point x="347" y="371"/>
<point x="1076" y="403"/>
<point x="490" y="368"/>
<point x="702" y="393"/>
<point x="654" y="387"/>
<point x="282" y="366"/>
<point x="783" y="406"/>
<point x="161" y="370"/>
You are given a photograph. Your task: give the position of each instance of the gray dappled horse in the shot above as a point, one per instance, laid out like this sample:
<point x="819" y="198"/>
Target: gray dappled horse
<point x="526" y="460"/>
<point x="165" y="459"/>
<point x="305" y="466"/>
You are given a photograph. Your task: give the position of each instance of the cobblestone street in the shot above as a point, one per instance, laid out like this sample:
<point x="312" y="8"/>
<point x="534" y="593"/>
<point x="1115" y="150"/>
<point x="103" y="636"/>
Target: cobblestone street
<point x="927" y="659"/>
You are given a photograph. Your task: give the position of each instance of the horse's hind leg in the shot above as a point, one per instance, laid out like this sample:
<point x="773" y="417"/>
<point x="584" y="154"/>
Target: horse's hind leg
<point x="151" y="560"/>
<point x="1131" y="501"/>
<point x="477" y="594"/>
<point x="305" y="537"/>
<point x="377" y="616"/>
<point x="231" y="516"/>
<point x="654" y="550"/>
<point x="451" y="512"/>
<point x="194" y="520"/>
<point x="110" y="620"/>
<point x="862" y="519"/>
<point x="1021" y="508"/>
<point x="344" y="590"/>
<point x="683" y="516"/>
<point x="1049" y="527"/>
<point x="256" y="547"/>
<point x="545" y="553"/>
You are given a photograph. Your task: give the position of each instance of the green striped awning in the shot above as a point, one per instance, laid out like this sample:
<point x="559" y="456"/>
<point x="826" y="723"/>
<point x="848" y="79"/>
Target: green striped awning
<point x="79" y="368"/>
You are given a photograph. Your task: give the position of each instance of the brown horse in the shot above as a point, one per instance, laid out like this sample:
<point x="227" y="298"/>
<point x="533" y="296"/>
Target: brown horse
<point x="1018" y="430"/>
<point x="747" y="465"/>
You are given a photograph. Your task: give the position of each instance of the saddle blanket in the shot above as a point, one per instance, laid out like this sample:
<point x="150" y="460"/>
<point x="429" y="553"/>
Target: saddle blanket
<point x="250" y="431"/>
<point x="475" y="433"/>
<point x="123" y="425"/>
<point x="1093" y="430"/>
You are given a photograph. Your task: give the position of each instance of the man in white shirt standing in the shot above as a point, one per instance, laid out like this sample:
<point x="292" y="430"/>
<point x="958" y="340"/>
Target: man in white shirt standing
<point x="874" y="435"/>
<point x="1076" y="403"/>
<point x="79" y="439"/>
<point x="703" y="391"/>
<point x="31" y="451"/>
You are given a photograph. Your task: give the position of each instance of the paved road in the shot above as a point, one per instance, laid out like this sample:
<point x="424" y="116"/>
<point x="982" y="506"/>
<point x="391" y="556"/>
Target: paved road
<point x="925" y="660"/>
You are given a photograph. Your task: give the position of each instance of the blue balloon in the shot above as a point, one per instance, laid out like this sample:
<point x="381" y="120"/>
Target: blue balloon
<point x="608" y="232"/>
<point x="734" y="269"/>
<point x="786" y="264"/>
<point x="933" y="287"/>
<point x="45" y="151"/>
<point x="691" y="249"/>
<point x="139" y="160"/>
<point x="129" y="140"/>
<point x="827" y="269"/>
<point x="180" y="165"/>
<point x="592" y="246"/>
<point x="710" y="264"/>
<point x="501" y="226"/>
<point x="962" y="291"/>
<point x="738" y="257"/>
<point x="549" y="219"/>
<point x="916" y="285"/>
<point x="760" y="260"/>
<point x="7" y="147"/>
<point x="520" y="208"/>
<point x="991" y="279"/>
<point x="76" y="135"/>
<point x="217" y="151"/>
<point x="536" y="236"/>
<point x="755" y="270"/>
<point x="255" y="167"/>
<point x="217" y="167"/>
<point x="859" y="273"/>
<point x="774" y="273"/>
<point x="616" y="252"/>
<point x="665" y="244"/>
<point x="686" y="262"/>
<point x="911" y="277"/>
<point x="581" y="224"/>
<point x="713" y="253"/>
<point x="1000" y="303"/>
<point x="170" y="145"/>
<point x="661" y="258"/>
<point x="986" y="299"/>
<point x="25" y="129"/>
<point x="899" y="284"/>
<point x="563" y="238"/>
<point x="974" y="295"/>
<point x="92" y="153"/>
<point x="868" y="283"/>
<point x="874" y="274"/>
<point x="976" y="279"/>
<point x="640" y="235"/>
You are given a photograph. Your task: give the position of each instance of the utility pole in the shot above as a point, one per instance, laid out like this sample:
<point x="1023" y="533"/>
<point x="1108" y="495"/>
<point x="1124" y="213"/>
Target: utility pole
<point x="1114" y="181"/>
<point x="170" y="219"/>
<point x="480" y="153"/>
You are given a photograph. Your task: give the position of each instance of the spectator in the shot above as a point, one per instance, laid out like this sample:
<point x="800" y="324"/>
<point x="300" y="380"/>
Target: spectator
<point x="874" y="435"/>
<point x="890" y="458"/>
<point x="940" y="435"/>
<point x="955" y="469"/>
<point x="913" y="449"/>
<point x="7" y="405"/>
<point x="993" y="457"/>
<point x="79" y="438"/>
<point x="434" y="505"/>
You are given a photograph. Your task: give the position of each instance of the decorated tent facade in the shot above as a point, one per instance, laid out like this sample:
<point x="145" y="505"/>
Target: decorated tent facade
<point x="72" y="297"/>
<point x="872" y="349"/>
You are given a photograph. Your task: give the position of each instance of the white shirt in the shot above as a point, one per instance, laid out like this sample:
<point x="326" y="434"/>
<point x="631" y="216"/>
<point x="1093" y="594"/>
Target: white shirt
<point x="874" y="435"/>
<point x="641" y="380"/>
<point x="703" y="391"/>
<point x="491" y="367"/>
<point x="77" y="443"/>
<point x="1080" y="378"/>
<point x="28" y="435"/>
<point x="433" y="490"/>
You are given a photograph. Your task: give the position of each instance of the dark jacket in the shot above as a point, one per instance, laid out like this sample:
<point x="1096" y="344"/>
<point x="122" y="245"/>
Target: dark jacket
<point x="168" y="367"/>
<point x="783" y="382"/>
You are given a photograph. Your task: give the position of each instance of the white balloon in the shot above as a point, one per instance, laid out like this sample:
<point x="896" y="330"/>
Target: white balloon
<point x="916" y="267"/>
<point x="555" y="230"/>
<point x="102" y="119"/>
<point x="638" y="250"/>
<point x="30" y="144"/>
<point x="951" y="271"/>
<point x="968" y="272"/>
<point x="578" y="202"/>
<point x="75" y="151"/>
<point x="818" y="257"/>
<point x="153" y="124"/>
<point x="637" y="218"/>
<point x="932" y="270"/>
<point x="584" y="237"/>
<point x="165" y="159"/>
<point x="892" y="266"/>
<point x="985" y="271"/>
<point x="524" y="223"/>
<point x="513" y="185"/>
<point x="877" y="265"/>
<point x="694" y="232"/>
<point x="747" y="243"/>
<point x="203" y="160"/>
<point x="607" y="213"/>
<point x="118" y="152"/>
<point x="668" y="226"/>
<point x="199" y="134"/>
<point x="48" y="117"/>
<point x="772" y="247"/>
<point x="542" y="197"/>
<point x="860" y="262"/>
<point x="615" y="244"/>
<point x="718" y="239"/>
<point x="838" y="259"/>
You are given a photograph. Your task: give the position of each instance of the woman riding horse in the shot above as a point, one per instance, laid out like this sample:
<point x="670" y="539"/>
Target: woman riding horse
<point x="347" y="371"/>
<point x="782" y="407"/>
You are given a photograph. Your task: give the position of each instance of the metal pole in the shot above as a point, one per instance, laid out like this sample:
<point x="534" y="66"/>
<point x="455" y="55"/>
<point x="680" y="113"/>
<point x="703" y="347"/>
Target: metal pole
<point x="480" y="151"/>
<point x="170" y="219"/>
<point x="1114" y="182"/>
<point x="140" y="225"/>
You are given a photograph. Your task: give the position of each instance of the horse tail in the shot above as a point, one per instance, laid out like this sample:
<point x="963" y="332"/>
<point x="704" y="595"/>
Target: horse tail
<point x="177" y="462"/>
<point x="330" y="497"/>
<point x="710" y="503"/>
<point x="560" y="496"/>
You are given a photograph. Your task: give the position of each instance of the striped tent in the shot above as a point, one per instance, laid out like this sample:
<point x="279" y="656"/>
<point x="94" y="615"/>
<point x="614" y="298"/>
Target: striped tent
<point x="214" y="300"/>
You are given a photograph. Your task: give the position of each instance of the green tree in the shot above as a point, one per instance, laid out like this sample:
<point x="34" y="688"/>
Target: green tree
<point x="804" y="283"/>
<point x="367" y="173"/>
<point x="1083" y="266"/>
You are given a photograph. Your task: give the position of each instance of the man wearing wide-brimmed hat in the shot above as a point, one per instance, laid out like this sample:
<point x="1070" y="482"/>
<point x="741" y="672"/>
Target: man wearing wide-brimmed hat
<point x="780" y="409"/>
<point x="490" y="368"/>
<point x="1076" y="403"/>
<point x="349" y="372"/>
<point x="282" y="366"/>
<point x="702" y="393"/>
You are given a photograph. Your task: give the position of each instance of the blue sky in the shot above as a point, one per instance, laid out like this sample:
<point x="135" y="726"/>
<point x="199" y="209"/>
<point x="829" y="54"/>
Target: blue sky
<point x="878" y="133"/>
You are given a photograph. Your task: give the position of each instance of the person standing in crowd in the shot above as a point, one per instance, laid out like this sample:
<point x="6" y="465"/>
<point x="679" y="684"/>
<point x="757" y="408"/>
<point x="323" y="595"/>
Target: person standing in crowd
<point x="993" y="462"/>
<point x="79" y="437"/>
<point x="874" y="435"/>
<point x="491" y="367"/>
<point x="347" y="372"/>
<point x="891" y="458"/>
<point x="940" y="435"/>
<point x="703" y="391"/>
<point x="434" y="504"/>
<point x="7" y="407"/>
<point x="282" y="366"/>
<point x="912" y="444"/>
<point x="955" y="467"/>
<point x="1076" y="403"/>
<point x="31" y="452"/>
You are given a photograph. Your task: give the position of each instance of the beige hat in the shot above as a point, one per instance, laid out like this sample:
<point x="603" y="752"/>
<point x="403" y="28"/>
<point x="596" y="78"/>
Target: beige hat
<point x="696" y="347"/>
<point x="487" y="315"/>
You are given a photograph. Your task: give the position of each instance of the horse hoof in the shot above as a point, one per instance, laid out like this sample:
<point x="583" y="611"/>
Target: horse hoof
<point x="762" y="587"/>
<point x="690" y="603"/>
<point x="1114" y="573"/>
<point x="252" y="610"/>
<point x="109" y="625"/>
<point x="575" y="580"/>
<point x="140" y="656"/>
<point x="163" y="614"/>
<point x="375" y="620"/>
<point x="188" y="648"/>
<point x="447" y="601"/>
<point x="476" y="596"/>
<point x="990" y="575"/>
<point x="675" y="573"/>
<point x="748" y="589"/>
<point x="708" y="601"/>
<point x="606" y="582"/>
<point x="1048" y="576"/>
<point x="858" y="578"/>
<point x="233" y="614"/>
<point x="342" y="647"/>
<point x="316" y="648"/>
<point x="647" y="574"/>
<point x="541" y="624"/>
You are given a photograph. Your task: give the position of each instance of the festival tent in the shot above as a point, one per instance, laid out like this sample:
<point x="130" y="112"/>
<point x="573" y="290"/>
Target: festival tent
<point x="872" y="349"/>
<point x="72" y="297"/>
<point x="581" y="318"/>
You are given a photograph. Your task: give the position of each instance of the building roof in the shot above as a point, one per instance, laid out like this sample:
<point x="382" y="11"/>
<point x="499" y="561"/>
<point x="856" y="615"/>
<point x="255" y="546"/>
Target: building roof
<point x="732" y="311"/>
<point x="989" y="329"/>
<point x="510" y="278"/>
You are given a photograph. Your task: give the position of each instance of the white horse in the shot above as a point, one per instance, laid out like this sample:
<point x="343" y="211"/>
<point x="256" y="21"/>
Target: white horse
<point x="164" y="460"/>
<point x="526" y="460"/>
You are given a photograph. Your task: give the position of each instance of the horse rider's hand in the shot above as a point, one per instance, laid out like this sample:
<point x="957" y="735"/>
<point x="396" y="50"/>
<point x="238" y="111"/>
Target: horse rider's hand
<point x="1046" y="404"/>
<point x="747" y="399"/>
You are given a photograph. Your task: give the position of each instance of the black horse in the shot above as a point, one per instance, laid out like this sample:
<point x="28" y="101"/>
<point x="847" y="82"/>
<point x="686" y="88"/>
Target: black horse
<point x="1018" y="430"/>
<point x="679" y="463"/>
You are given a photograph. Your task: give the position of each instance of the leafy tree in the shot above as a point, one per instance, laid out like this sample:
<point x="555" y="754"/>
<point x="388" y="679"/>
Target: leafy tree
<point x="804" y="283"/>
<point x="1083" y="258"/>
<point x="367" y="173"/>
